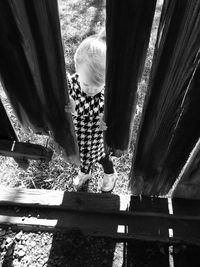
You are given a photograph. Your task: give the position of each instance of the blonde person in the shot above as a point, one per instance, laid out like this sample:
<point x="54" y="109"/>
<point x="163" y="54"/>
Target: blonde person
<point x="86" y="90"/>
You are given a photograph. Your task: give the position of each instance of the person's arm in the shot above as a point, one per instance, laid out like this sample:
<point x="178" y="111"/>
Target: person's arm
<point x="102" y="124"/>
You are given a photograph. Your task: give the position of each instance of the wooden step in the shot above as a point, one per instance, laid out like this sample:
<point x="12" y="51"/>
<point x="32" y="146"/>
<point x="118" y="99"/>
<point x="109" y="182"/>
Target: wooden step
<point x="122" y="217"/>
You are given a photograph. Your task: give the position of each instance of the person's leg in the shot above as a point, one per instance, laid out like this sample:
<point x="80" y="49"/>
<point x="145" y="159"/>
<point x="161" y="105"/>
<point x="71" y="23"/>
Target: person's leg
<point x="85" y="169"/>
<point x="83" y="176"/>
<point x="107" y="164"/>
<point x="110" y="175"/>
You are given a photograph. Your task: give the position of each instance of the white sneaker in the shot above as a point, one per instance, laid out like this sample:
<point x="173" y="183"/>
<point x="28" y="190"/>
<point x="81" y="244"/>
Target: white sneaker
<point x="81" y="178"/>
<point x="109" y="181"/>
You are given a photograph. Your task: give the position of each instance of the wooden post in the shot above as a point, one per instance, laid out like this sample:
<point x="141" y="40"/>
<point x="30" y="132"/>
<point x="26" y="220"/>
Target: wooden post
<point x="32" y="69"/>
<point x="127" y="34"/>
<point x="170" y="124"/>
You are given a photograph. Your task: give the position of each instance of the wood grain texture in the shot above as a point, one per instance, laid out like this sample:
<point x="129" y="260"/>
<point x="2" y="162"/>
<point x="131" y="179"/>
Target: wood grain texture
<point x="170" y="124"/>
<point x="121" y="217"/>
<point x="188" y="183"/>
<point x="24" y="150"/>
<point x="127" y="34"/>
<point x="32" y="69"/>
<point x="8" y="132"/>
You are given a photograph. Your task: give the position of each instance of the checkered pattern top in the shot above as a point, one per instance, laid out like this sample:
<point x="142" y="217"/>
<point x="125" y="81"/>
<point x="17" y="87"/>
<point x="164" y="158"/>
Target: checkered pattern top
<point x="86" y="121"/>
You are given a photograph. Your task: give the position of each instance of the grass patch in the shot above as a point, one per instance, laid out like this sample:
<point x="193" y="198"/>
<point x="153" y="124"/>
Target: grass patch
<point x="79" y="19"/>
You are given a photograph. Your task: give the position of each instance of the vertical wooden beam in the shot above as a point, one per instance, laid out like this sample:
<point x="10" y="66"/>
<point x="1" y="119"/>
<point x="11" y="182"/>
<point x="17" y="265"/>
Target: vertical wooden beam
<point x="32" y="68"/>
<point x="170" y="125"/>
<point x="128" y="27"/>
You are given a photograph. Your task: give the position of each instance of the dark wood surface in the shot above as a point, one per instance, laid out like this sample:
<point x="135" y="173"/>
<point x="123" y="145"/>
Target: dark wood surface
<point x="127" y="37"/>
<point x="170" y="123"/>
<point x="16" y="149"/>
<point x="188" y="184"/>
<point x="7" y="132"/>
<point x="122" y="217"/>
<point x="34" y="78"/>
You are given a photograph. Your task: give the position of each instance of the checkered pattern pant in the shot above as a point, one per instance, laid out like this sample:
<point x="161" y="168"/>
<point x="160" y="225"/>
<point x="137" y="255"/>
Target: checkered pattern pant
<point x="86" y="121"/>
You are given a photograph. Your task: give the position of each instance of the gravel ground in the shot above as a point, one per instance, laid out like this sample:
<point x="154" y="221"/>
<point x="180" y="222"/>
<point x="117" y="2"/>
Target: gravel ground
<point x="48" y="249"/>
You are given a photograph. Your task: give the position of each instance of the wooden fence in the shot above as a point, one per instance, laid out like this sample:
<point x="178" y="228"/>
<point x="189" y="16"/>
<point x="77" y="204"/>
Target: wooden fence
<point x="167" y="145"/>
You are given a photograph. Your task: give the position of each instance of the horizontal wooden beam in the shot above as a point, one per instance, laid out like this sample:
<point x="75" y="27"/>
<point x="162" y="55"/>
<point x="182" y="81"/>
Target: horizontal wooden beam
<point x="121" y="217"/>
<point x="16" y="149"/>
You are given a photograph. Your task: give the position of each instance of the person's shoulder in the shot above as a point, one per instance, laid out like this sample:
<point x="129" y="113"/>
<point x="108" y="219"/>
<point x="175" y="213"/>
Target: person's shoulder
<point x="73" y="78"/>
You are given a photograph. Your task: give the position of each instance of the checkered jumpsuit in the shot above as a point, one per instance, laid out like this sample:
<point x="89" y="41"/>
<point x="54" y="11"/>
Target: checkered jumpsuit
<point x="86" y="121"/>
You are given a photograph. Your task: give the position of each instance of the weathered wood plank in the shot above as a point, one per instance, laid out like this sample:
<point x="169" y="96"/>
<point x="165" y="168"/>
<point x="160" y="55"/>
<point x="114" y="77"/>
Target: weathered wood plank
<point x="95" y="224"/>
<point x="127" y="35"/>
<point x="16" y="149"/>
<point x="188" y="182"/>
<point x="100" y="215"/>
<point x="8" y="132"/>
<point x="53" y="199"/>
<point x="156" y="254"/>
<point x="170" y="124"/>
<point x="34" y="79"/>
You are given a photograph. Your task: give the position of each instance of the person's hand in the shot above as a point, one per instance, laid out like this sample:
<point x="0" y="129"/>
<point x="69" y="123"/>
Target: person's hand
<point x="70" y="107"/>
<point x="102" y="124"/>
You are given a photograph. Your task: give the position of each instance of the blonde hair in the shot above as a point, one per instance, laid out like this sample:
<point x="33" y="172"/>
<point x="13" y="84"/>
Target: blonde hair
<point x="92" y="51"/>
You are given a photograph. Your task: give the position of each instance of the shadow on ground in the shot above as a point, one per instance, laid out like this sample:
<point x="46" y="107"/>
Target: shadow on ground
<point x="75" y="250"/>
